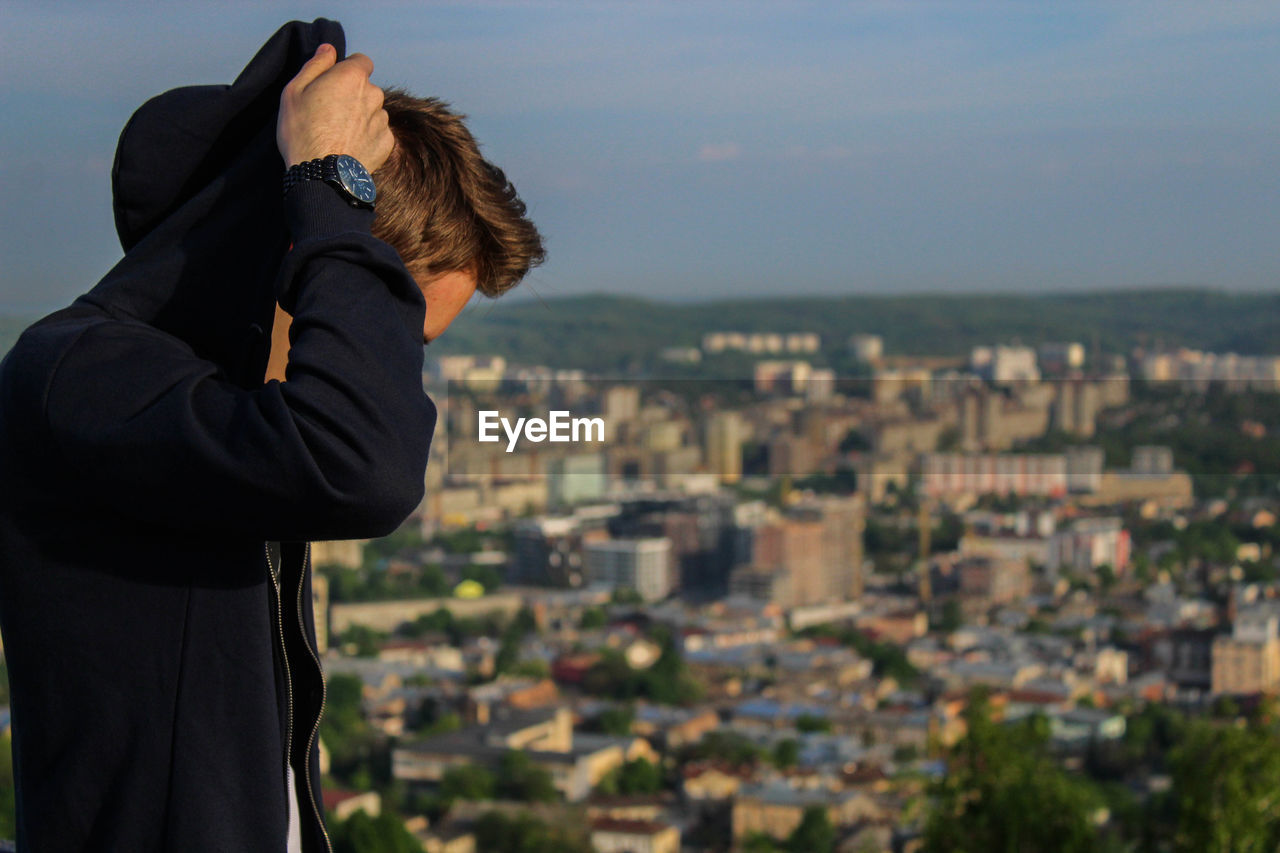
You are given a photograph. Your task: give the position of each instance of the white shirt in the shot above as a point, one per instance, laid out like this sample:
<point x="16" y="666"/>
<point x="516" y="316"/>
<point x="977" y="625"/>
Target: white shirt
<point x="295" y="825"/>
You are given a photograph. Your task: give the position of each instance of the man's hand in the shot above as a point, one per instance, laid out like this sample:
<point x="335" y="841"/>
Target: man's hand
<point x="332" y="108"/>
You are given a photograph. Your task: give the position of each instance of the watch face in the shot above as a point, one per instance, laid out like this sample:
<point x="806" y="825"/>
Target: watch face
<point x="355" y="178"/>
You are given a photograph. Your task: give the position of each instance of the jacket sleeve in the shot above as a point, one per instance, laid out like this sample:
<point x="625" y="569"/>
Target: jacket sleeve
<point x="338" y="450"/>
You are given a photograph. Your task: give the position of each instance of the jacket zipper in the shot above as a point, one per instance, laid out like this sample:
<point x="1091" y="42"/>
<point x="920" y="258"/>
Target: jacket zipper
<point x="284" y="656"/>
<point x="315" y="728"/>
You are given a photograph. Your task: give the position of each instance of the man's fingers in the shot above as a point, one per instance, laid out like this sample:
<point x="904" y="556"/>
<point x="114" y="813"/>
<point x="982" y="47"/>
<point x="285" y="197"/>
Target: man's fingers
<point x="325" y="58"/>
<point x="359" y="60"/>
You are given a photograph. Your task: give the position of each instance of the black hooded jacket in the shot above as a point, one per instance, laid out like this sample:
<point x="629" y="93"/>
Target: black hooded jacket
<point x="157" y="496"/>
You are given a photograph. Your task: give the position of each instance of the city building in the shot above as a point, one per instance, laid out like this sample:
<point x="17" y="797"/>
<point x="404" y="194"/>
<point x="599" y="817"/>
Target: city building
<point x="1248" y="660"/>
<point x="776" y="810"/>
<point x="1056" y="357"/>
<point x="643" y="565"/>
<point x="1087" y="543"/>
<point x="615" y="835"/>
<point x="1005" y="364"/>
<point x="995" y="473"/>
<point x="724" y="437"/>
<point x="866" y="348"/>
<point x="575" y="762"/>
<point x="992" y="580"/>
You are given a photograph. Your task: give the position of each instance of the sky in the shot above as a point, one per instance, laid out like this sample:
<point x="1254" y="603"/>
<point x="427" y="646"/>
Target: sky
<point x="696" y="150"/>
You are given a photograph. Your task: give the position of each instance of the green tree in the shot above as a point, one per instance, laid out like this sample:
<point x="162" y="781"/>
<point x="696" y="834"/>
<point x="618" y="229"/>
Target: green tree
<point x="626" y="595"/>
<point x="1225" y="784"/>
<point x="786" y="753"/>
<point x="639" y="777"/>
<point x="343" y="728"/>
<point x="467" y="782"/>
<point x="952" y="618"/>
<point x="593" y="617"/>
<point x="759" y="842"/>
<point x="8" y="791"/>
<point x="518" y="778"/>
<point x="524" y="833"/>
<point x="815" y="834"/>
<point x="1003" y="792"/>
<point x="731" y="747"/>
<point x="522" y="625"/>
<point x="363" y="834"/>
<point x="487" y="576"/>
<point x="617" y="721"/>
<point x="806" y="723"/>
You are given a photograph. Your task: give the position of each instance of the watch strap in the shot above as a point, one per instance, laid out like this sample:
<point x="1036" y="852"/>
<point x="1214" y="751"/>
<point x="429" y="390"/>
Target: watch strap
<point x="309" y="170"/>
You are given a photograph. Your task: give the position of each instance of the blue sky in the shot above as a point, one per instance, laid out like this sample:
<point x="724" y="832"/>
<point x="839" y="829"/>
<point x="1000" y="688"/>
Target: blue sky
<point x="702" y="149"/>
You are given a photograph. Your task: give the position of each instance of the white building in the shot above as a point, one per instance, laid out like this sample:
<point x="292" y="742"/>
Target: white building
<point x="866" y="347"/>
<point x="643" y="565"/>
<point x="1058" y="356"/>
<point x="1002" y="364"/>
<point x="1088" y="543"/>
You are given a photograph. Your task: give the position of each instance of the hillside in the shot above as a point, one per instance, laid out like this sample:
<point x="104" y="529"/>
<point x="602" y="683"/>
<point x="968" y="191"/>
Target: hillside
<point x="614" y="332"/>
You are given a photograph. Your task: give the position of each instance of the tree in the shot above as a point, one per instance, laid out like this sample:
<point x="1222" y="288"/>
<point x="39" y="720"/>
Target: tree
<point x="518" y="778"/>
<point x="1004" y="792"/>
<point x="806" y="723"/>
<point x="524" y="833"/>
<point x="617" y="721"/>
<point x="593" y="617"/>
<point x="639" y="777"/>
<point x="1225" y="780"/>
<point x="467" y="782"/>
<point x="731" y="747"/>
<point x="952" y="618"/>
<point x="344" y="729"/>
<point x="786" y="753"/>
<point x="815" y="834"/>
<point x="8" y="791"/>
<point x="854" y="441"/>
<point x="759" y="842"/>
<point x="487" y="576"/>
<point x="363" y="834"/>
<point x="513" y="636"/>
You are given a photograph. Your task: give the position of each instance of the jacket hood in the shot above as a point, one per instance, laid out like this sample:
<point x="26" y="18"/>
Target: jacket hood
<point x="196" y="193"/>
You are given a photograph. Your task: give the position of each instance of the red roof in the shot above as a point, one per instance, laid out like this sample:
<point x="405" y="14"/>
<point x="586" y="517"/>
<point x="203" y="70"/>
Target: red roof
<point x="630" y="827"/>
<point x="333" y="797"/>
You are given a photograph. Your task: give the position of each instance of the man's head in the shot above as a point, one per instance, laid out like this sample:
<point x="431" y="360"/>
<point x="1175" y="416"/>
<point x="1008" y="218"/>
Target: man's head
<point x="453" y="216"/>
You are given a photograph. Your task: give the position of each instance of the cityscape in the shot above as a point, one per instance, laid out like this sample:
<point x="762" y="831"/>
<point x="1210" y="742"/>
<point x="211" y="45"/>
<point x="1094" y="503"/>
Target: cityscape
<point x="884" y="457"/>
<point x="1026" y="597"/>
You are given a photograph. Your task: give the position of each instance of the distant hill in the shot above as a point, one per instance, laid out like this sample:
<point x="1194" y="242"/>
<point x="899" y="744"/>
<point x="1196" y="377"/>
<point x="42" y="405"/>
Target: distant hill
<point x="617" y="332"/>
<point x="611" y="332"/>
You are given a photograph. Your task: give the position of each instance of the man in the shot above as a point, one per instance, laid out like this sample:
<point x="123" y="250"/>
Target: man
<point x="159" y="496"/>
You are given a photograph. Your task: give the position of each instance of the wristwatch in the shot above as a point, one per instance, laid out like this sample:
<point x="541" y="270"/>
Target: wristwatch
<point x="342" y="171"/>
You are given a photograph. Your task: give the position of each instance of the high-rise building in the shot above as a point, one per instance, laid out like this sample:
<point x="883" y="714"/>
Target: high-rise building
<point x="866" y="348"/>
<point x="643" y="565"/>
<point x="1061" y="356"/>
<point x="810" y="555"/>
<point x="724" y="446"/>
<point x="548" y="551"/>
<point x="1084" y="469"/>
<point x="1152" y="461"/>
<point x="1087" y="543"/>
<point x="843" y="521"/>
<point x="992" y="580"/>
<point x="574" y="478"/>
<point x="1003" y="364"/>
<point x="1248" y="660"/>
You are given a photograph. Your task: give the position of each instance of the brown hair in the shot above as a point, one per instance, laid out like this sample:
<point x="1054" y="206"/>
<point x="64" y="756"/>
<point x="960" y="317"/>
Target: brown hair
<point x="444" y="207"/>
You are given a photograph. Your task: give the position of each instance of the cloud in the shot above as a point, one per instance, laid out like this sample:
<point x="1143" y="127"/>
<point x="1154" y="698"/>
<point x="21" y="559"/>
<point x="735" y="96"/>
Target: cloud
<point x="719" y="152"/>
